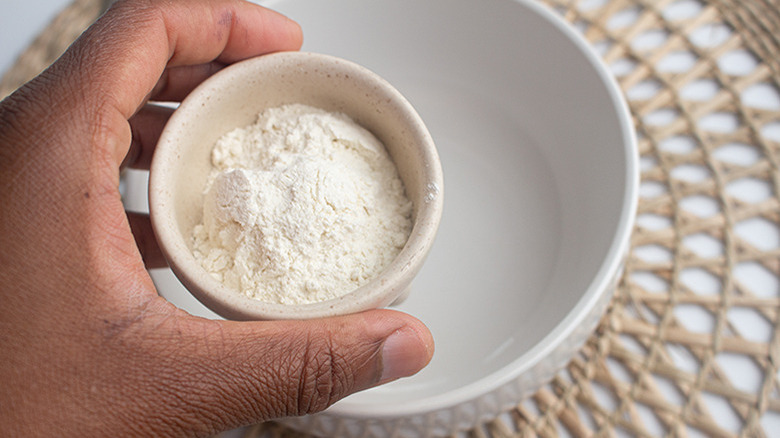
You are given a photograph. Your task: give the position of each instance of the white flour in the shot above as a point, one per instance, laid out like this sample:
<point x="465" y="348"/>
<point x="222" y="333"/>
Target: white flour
<point x="302" y="206"/>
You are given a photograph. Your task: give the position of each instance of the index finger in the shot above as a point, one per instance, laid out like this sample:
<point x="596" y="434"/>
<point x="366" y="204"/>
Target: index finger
<point x="110" y="71"/>
<point x="128" y="49"/>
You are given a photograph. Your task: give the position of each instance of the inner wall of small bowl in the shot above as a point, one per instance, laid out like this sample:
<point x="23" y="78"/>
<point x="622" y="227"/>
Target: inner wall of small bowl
<point x="244" y="94"/>
<point x="533" y="156"/>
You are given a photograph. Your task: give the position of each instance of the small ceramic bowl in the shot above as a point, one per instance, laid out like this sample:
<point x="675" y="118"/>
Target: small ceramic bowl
<point x="233" y="98"/>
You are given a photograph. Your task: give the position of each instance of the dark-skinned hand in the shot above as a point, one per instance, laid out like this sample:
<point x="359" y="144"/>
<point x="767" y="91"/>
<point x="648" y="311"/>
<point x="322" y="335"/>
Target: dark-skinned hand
<point x="87" y="347"/>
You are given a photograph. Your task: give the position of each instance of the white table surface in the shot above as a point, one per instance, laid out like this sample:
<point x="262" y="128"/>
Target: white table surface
<point x="22" y="20"/>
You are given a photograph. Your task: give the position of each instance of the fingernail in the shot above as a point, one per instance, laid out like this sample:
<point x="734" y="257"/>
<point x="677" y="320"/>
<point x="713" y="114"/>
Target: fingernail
<point x="404" y="353"/>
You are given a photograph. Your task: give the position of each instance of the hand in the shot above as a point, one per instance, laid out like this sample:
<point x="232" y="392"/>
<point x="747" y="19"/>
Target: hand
<point x="87" y="346"/>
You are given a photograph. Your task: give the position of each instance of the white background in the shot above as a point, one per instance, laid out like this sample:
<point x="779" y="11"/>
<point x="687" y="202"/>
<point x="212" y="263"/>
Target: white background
<point x="22" y="20"/>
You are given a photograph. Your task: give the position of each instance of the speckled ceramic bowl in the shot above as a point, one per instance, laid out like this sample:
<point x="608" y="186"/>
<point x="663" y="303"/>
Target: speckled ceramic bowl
<point x="233" y="98"/>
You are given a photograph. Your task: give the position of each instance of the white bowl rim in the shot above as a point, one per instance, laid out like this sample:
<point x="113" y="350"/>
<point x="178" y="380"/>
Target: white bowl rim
<point x="599" y="285"/>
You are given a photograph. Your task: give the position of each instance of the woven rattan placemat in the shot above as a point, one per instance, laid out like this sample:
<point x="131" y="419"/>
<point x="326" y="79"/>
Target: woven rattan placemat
<point x="689" y="346"/>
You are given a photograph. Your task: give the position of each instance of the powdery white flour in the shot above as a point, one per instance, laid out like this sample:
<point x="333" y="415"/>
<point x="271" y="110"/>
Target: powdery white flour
<point x="303" y="206"/>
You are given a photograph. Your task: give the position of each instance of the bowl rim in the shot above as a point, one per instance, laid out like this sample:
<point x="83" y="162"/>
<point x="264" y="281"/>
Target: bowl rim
<point x="390" y="284"/>
<point x="596" y="291"/>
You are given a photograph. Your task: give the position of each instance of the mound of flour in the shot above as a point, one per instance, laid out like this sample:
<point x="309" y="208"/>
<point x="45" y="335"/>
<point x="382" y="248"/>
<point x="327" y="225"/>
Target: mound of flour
<point x="303" y="206"/>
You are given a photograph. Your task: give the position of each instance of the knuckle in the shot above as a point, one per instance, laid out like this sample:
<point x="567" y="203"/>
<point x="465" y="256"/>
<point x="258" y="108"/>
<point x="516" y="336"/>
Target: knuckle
<point x="20" y="115"/>
<point x="322" y="375"/>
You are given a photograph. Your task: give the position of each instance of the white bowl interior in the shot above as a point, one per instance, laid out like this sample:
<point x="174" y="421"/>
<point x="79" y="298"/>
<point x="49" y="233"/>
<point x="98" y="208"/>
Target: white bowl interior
<point x="536" y="167"/>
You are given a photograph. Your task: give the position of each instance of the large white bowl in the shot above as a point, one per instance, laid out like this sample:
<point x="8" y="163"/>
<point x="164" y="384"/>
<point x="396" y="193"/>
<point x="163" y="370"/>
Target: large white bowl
<point x="540" y="160"/>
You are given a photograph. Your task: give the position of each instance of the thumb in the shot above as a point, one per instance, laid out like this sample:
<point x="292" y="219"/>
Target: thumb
<point x="263" y="370"/>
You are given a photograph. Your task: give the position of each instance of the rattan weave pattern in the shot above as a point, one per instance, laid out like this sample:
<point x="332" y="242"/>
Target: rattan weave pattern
<point x="701" y="292"/>
<point x="51" y="42"/>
